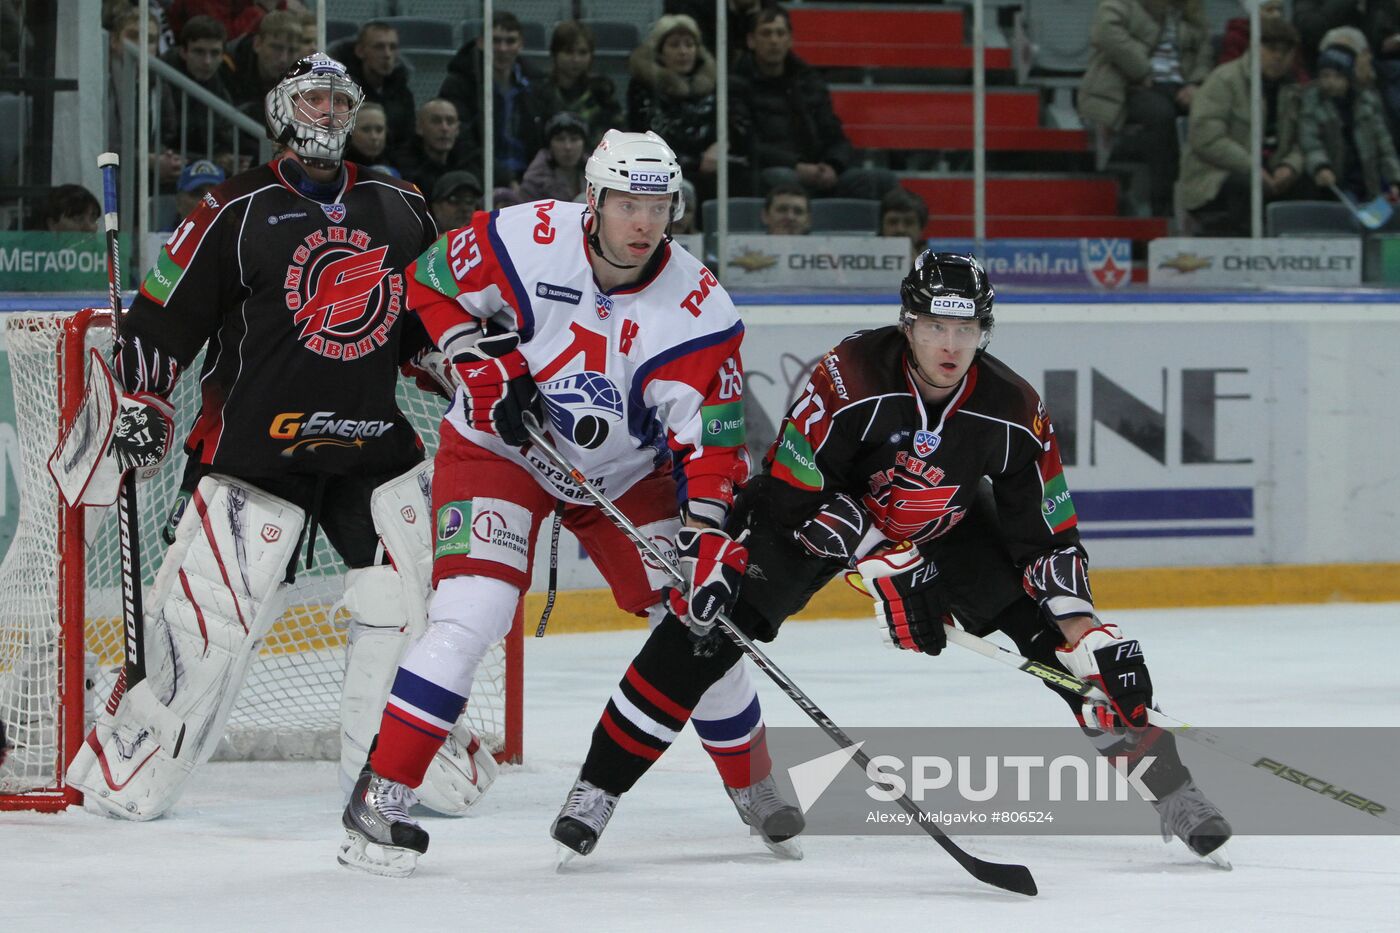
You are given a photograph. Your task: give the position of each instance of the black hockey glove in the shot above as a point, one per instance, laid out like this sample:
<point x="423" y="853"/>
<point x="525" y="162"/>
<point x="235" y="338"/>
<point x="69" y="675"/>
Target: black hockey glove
<point x="836" y="531"/>
<point x="1115" y="665"/>
<point x="713" y="564"/>
<point x="499" y="387"/>
<point x="908" y="599"/>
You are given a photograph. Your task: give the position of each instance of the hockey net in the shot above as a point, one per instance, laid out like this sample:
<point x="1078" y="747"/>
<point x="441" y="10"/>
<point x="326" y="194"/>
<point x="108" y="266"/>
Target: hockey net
<point x="60" y="596"/>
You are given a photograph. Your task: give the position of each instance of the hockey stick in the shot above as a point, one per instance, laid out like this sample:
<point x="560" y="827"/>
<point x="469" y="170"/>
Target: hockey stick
<point x="1213" y="740"/>
<point x="134" y="670"/>
<point x="1016" y="878"/>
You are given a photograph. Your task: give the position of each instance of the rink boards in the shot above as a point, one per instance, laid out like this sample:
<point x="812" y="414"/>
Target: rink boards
<point x="1220" y="449"/>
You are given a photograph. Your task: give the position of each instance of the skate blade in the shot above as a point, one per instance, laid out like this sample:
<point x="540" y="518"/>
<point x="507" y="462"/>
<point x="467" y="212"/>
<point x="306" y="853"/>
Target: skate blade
<point x="359" y="853"/>
<point x="1220" y="859"/>
<point x="563" y="857"/>
<point x="789" y="849"/>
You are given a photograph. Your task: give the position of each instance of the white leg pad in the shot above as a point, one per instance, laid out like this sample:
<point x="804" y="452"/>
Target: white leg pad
<point x="213" y="600"/>
<point x="381" y="620"/>
<point x="402" y="510"/>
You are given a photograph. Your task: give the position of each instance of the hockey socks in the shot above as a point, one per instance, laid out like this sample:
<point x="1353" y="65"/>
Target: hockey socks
<point x="662" y="688"/>
<point x="736" y="744"/>
<point x="416" y="723"/>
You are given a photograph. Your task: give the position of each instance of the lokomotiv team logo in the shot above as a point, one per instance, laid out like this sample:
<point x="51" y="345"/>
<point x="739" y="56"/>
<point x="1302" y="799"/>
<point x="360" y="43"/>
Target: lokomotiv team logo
<point x="341" y="293"/>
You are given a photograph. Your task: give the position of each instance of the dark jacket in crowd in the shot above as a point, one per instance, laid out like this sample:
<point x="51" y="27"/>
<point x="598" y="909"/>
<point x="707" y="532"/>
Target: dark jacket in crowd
<point x="239" y="73"/>
<point x="518" y="115"/>
<point x="396" y="97"/>
<point x="414" y="165"/>
<point x="594" y="99"/>
<point x="193" y="131"/>
<point x="793" y="120"/>
<point x="682" y="109"/>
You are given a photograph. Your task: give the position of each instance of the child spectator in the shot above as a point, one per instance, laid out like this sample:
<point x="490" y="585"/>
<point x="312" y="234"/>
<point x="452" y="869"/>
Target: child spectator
<point x="1343" y="134"/>
<point x="557" y="170"/>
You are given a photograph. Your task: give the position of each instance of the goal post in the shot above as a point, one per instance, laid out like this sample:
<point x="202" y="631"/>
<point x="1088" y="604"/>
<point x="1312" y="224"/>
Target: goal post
<point x="60" y="610"/>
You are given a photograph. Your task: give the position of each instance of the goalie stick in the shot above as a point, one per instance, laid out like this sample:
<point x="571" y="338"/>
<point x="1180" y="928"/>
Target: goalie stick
<point x="1015" y="878"/>
<point x="1209" y="739"/>
<point x="134" y="668"/>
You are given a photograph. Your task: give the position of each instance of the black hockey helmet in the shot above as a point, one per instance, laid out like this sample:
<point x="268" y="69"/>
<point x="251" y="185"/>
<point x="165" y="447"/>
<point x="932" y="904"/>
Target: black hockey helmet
<point x="948" y="285"/>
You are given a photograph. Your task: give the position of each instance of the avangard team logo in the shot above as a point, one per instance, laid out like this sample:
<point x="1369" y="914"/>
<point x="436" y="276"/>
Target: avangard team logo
<point x="342" y="294"/>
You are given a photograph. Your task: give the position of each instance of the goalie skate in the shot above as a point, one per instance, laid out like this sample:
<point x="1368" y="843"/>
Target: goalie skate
<point x="380" y="838"/>
<point x="777" y="821"/>
<point x="582" y="820"/>
<point x="1190" y="816"/>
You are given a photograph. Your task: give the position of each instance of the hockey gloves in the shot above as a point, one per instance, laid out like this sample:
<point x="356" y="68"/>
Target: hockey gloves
<point x="713" y="565"/>
<point x="499" y="388"/>
<point x="908" y="599"/>
<point x="835" y="532"/>
<point x="1106" y="659"/>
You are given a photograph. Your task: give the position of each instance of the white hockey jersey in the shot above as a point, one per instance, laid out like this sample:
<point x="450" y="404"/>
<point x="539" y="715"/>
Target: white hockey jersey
<point x="631" y="379"/>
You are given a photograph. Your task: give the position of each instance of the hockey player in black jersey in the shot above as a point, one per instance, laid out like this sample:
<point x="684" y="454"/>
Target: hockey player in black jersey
<point x="914" y="434"/>
<point x="290" y="278"/>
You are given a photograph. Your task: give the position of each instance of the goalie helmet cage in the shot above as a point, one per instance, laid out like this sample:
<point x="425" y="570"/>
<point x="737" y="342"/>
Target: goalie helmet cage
<point x="61" y="641"/>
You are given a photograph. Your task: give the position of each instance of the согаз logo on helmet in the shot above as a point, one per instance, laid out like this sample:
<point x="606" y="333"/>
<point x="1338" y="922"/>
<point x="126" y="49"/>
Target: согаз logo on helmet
<point x="649" y="181"/>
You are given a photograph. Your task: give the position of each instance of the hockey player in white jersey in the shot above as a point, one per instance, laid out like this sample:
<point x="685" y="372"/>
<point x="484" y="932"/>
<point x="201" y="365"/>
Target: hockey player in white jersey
<point x="627" y="348"/>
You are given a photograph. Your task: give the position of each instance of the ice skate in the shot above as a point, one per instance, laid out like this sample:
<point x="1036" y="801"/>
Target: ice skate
<point x="777" y="821"/>
<point x="582" y="819"/>
<point x="1187" y="814"/>
<point x="379" y="836"/>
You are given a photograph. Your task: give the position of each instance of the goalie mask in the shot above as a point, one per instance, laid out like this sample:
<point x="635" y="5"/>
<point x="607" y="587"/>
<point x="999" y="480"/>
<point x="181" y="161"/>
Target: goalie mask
<point x="312" y="109"/>
<point x="948" y="285"/>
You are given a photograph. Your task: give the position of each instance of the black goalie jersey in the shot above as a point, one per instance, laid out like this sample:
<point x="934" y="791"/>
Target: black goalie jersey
<point x="861" y="428"/>
<point x="302" y="306"/>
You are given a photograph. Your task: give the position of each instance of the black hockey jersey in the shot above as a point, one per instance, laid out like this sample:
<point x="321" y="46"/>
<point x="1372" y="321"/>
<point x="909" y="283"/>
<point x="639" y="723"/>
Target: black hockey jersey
<point x="302" y="307"/>
<point x="860" y="427"/>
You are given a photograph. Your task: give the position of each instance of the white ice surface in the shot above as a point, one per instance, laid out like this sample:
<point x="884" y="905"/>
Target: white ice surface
<point x="251" y="846"/>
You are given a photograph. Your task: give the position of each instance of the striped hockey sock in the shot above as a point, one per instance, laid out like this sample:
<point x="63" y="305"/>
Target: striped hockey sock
<point x="416" y="721"/>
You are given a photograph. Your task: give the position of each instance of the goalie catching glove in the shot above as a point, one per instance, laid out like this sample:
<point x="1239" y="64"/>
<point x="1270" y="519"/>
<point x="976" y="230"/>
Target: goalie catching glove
<point x="112" y="432"/>
<point x="499" y="388"/>
<point x="908" y="599"/>
<point x="1115" y="665"/>
<point x="713" y="565"/>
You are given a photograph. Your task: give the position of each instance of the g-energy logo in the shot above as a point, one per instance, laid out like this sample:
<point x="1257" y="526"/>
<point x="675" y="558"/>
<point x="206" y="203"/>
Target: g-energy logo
<point x="323" y="429"/>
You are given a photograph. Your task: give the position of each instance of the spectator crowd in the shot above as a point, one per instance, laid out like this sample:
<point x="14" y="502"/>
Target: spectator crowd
<point x="783" y="131"/>
<point x="1161" y="89"/>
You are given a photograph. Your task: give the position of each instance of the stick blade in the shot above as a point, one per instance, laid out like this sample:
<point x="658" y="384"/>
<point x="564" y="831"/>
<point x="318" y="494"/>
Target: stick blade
<point x="1014" y="878"/>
